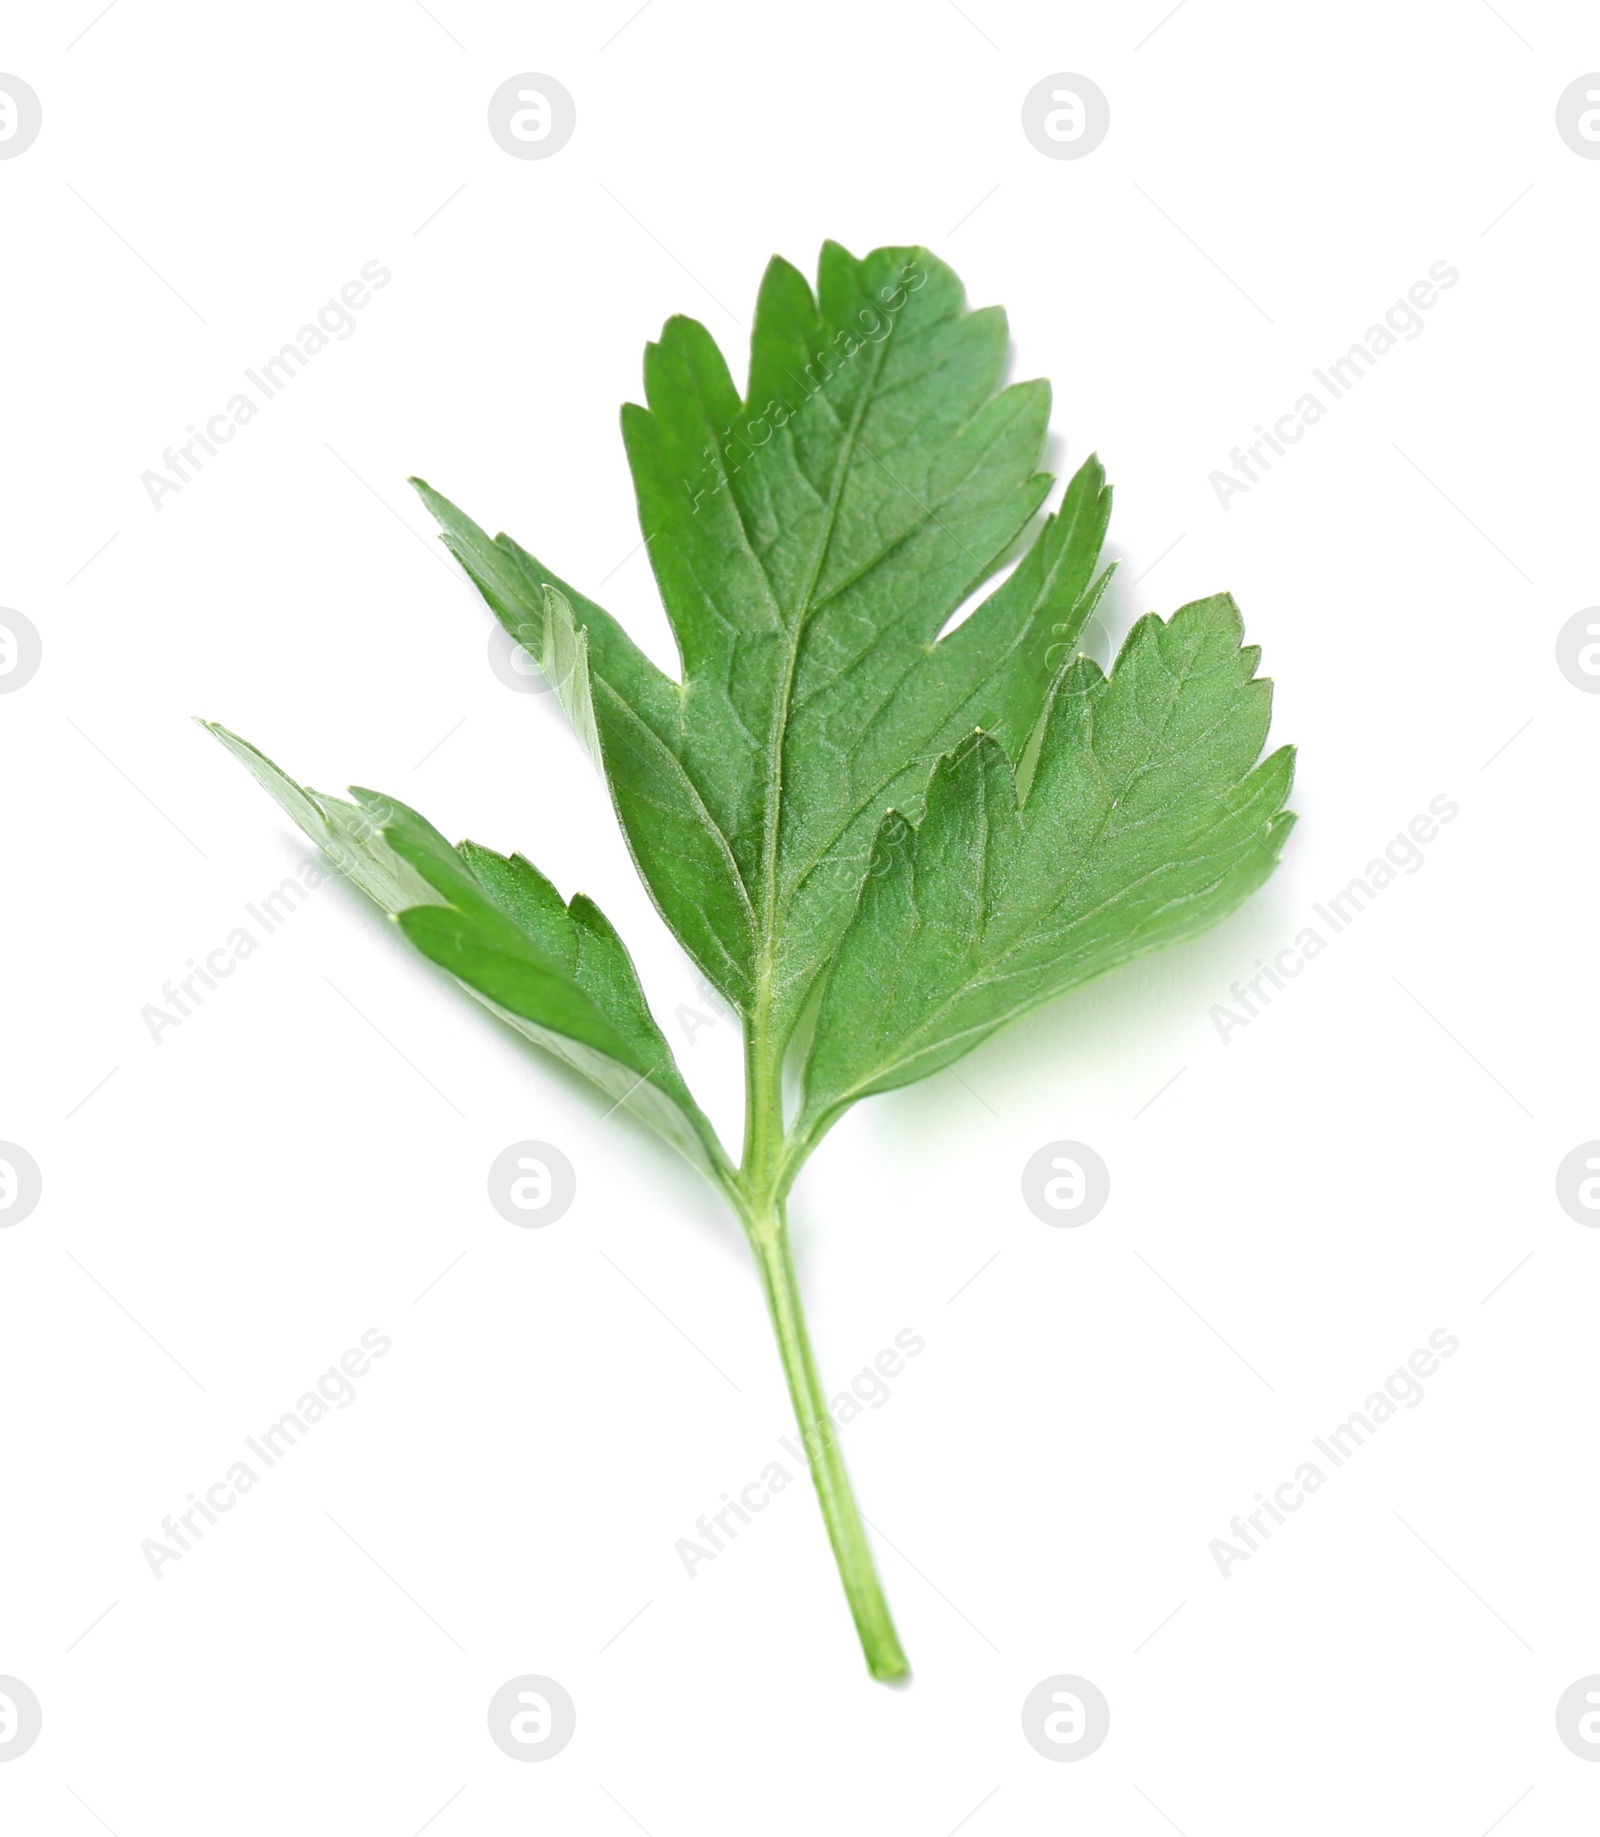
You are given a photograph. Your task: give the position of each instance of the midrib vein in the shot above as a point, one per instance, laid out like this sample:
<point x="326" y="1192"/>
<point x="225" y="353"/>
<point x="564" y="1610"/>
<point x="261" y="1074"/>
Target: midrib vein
<point x="780" y="718"/>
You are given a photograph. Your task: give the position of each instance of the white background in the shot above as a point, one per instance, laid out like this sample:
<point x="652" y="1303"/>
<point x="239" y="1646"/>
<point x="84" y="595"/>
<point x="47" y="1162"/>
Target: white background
<point x="1298" y="1211"/>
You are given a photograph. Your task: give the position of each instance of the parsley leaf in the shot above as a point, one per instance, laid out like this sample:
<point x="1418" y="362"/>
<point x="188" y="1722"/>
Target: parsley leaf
<point x="1146" y="820"/>
<point x="848" y="804"/>
<point x="557" y="973"/>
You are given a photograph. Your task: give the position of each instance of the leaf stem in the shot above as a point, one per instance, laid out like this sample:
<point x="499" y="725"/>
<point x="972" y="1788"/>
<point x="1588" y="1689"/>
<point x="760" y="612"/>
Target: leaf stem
<point x="771" y="1162"/>
<point x="769" y="1237"/>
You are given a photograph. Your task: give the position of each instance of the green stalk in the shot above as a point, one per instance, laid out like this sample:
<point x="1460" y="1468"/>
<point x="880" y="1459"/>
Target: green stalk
<point x="769" y="1238"/>
<point x="770" y="1164"/>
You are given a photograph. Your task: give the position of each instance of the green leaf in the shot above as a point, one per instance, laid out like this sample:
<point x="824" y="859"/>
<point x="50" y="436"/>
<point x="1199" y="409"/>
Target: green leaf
<point x="811" y="542"/>
<point x="1148" y="819"/>
<point x="556" y="972"/>
<point x="855" y="800"/>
